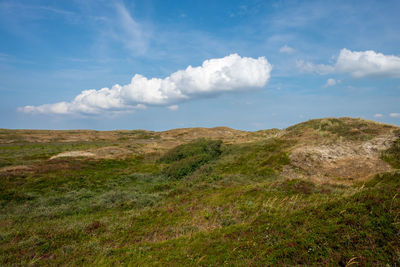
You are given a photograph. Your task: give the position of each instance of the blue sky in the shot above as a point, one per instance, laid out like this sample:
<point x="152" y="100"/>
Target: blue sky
<point x="296" y="60"/>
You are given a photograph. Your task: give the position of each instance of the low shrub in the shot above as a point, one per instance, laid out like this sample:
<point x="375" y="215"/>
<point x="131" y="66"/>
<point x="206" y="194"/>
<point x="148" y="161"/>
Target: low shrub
<point x="196" y="147"/>
<point x="185" y="159"/>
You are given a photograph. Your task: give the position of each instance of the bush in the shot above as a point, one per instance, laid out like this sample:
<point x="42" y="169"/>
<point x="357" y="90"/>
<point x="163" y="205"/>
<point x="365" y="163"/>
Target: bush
<point x="196" y="147"/>
<point x="185" y="159"/>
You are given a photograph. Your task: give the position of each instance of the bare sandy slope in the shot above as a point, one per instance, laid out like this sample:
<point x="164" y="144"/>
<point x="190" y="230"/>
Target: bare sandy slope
<point x="343" y="163"/>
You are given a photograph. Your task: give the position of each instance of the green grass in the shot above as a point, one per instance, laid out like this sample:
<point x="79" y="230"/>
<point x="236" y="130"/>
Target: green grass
<point x="202" y="203"/>
<point x="80" y="187"/>
<point x="392" y="154"/>
<point x="363" y="226"/>
<point x="260" y="159"/>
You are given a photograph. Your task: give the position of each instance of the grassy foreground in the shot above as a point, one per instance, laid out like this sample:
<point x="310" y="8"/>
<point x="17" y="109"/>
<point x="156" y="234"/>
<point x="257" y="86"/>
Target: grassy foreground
<point x="201" y="203"/>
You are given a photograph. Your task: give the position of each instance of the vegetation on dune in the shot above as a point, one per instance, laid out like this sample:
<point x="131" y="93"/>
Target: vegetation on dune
<point x="137" y="134"/>
<point x="203" y="203"/>
<point x="392" y="154"/>
<point x="185" y="159"/>
<point x="362" y="228"/>
<point x="263" y="159"/>
<point x="29" y="153"/>
<point x="75" y="187"/>
<point x="347" y="128"/>
<point x="197" y="147"/>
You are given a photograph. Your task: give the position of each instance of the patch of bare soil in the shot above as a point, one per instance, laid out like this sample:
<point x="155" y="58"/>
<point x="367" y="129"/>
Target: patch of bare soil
<point x="74" y="154"/>
<point x="16" y="169"/>
<point x="100" y="153"/>
<point x="342" y="163"/>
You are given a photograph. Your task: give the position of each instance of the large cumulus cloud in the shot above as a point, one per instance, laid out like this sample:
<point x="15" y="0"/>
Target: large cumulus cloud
<point x="215" y="76"/>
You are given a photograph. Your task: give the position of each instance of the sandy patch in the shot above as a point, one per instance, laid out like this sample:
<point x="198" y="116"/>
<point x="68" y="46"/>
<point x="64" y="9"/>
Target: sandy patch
<point x="74" y="154"/>
<point x="343" y="163"/>
<point x="99" y="153"/>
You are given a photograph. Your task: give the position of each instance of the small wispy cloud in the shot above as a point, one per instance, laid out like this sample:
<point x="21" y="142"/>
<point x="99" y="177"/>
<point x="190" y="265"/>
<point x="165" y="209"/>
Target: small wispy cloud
<point x="358" y="64"/>
<point x="31" y="10"/>
<point x="394" y="115"/>
<point x="378" y="115"/>
<point x="131" y="33"/>
<point x="286" y="49"/>
<point x="215" y="76"/>
<point x="331" y="82"/>
<point x="309" y="67"/>
<point x="173" y="107"/>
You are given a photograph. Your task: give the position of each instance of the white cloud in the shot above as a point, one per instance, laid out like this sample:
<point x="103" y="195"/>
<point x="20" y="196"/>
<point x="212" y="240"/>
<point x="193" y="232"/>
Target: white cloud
<point x="358" y="64"/>
<point x="286" y="49"/>
<point x="173" y="107"/>
<point x="394" y="115"/>
<point x="215" y="76"/>
<point x="378" y="115"/>
<point x="316" y="68"/>
<point x="367" y="63"/>
<point x="332" y="82"/>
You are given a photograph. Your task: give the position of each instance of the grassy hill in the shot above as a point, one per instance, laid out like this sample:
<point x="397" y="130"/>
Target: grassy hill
<point x="322" y="192"/>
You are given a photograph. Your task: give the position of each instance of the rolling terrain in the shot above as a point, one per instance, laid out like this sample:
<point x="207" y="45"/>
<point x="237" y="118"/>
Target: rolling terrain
<point x="322" y="192"/>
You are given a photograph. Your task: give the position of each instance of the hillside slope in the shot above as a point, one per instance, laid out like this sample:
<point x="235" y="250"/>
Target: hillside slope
<point x="320" y="192"/>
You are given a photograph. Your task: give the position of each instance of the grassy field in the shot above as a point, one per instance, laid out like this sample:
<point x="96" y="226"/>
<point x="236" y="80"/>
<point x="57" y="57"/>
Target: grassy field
<point x="204" y="202"/>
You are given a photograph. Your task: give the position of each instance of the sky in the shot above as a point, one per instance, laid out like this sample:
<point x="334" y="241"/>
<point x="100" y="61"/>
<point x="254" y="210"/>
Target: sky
<point x="158" y="65"/>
